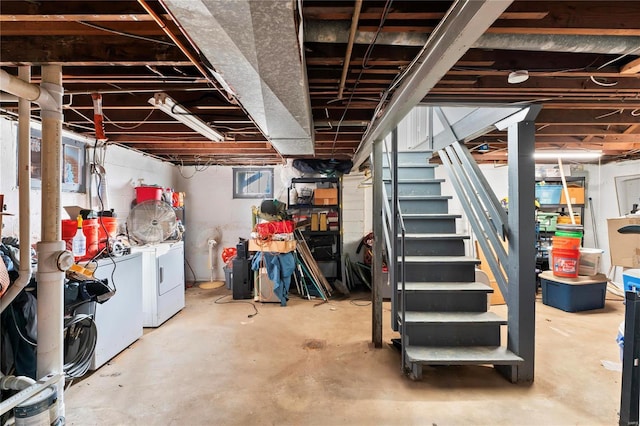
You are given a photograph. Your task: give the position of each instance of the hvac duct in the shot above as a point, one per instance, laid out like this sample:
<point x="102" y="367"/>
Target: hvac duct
<point x="255" y="48"/>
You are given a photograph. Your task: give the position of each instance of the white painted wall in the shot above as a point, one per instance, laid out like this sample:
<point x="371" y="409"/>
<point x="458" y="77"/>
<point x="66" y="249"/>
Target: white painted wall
<point x="124" y="169"/>
<point x="602" y="191"/>
<point x="212" y="213"/>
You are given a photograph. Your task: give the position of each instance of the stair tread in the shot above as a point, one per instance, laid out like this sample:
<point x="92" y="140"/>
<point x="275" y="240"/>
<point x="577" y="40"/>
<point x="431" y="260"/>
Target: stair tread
<point x="409" y="180"/>
<point x="452" y="317"/>
<point x="436" y="236"/>
<point x="410" y="164"/>
<point x="424" y="197"/>
<point x="498" y="355"/>
<point x="430" y="216"/>
<point x="447" y="286"/>
<point x="440" y="259"/>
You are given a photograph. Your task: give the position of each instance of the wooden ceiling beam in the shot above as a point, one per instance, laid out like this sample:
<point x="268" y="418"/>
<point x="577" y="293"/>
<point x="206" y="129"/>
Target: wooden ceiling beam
<point x="559" y="75"/>
<point x="632" y="67"/>
<point x="129" y="17"/>
<point x="585" y="117"/>
<point x="345" y="13"/>
<point x="71" y="28"/>
<point x="79" y="50"/>
<point x="513" y="30"/>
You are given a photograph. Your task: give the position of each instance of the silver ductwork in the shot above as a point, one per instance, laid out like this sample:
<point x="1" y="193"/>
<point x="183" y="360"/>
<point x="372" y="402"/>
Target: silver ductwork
<point x="338" y="32"/>
<point x="255" y="48"/>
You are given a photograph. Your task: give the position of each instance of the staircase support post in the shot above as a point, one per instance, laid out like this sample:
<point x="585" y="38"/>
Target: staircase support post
<point x="521" y="271"/>
<point x="378" y="241"/>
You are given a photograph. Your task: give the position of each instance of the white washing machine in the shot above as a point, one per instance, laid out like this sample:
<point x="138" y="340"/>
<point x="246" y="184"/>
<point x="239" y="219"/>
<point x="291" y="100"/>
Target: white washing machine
<point x="162" y="281"/>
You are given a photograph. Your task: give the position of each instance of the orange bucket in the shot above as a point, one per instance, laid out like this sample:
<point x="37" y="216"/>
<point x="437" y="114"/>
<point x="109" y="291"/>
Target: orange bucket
<point x="566" y="243"/>
<point x="107" y="228"/>
<point x="90" y="231"/>
<point x="565" y="263"/>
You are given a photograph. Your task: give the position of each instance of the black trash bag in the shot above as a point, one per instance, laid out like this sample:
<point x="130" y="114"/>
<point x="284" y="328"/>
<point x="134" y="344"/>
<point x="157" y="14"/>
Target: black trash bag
<point x="328" y="167"/>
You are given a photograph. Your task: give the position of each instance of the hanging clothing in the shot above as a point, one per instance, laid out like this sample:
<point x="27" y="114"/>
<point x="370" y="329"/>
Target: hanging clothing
<point x="280" y="267"/>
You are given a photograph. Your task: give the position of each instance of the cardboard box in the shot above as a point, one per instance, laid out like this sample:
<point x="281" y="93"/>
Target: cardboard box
<point x="323" y="221"/>
<point x="576" y="195"/>
<point x="624" y="248"/>
<point x="315" y="224"/>
<point x="272" y="246"/>
<point x="325" y="196"/>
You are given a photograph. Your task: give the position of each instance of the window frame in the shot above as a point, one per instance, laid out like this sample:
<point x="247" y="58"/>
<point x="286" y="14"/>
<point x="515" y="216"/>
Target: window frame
<point x="247" y="173"/>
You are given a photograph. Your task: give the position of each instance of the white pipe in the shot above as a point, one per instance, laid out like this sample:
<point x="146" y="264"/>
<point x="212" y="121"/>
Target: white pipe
<point x="15" y="382"/>
<point x="32" y="92"/>
<point x="24" y="188"/>
<point x="50" y="354"/>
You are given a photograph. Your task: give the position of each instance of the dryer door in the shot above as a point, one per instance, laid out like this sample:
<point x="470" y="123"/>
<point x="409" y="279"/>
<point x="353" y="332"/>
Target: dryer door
<point x="171" y="269"/>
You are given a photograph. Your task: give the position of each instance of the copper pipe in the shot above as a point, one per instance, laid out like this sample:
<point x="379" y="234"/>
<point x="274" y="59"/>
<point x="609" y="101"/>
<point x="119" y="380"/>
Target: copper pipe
<point x="352" y="35"/>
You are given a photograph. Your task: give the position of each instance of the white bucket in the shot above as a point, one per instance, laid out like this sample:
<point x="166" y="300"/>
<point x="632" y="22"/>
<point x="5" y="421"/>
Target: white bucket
<point x="39" y="410"/>
<point x="589" y="261"/>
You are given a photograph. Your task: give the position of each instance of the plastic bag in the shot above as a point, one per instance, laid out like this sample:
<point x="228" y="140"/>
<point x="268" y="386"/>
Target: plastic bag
<point x="229" y="253"/>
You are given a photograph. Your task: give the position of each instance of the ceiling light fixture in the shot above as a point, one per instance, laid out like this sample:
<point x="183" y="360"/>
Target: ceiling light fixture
<point x="567" y="155"/>
<point x="167" y="105"/>
<point x="519" y="76"/>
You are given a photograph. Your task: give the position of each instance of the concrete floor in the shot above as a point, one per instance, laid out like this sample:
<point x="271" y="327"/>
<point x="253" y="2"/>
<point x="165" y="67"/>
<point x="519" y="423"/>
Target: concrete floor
<point x="313" y="365"/>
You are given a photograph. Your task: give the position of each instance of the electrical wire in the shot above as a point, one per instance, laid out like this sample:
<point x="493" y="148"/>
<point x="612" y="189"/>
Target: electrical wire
<point x="144" y="120"/>
<point x="365" y="60"/>
<point x="100" y="162"/>
<point x="217" y="302"/>
<point x="191" y="269"/>
<point x="109" y="30"/>
<point x="600" y="83"/>
<point x="15" y="322"/>
<point x="80" y="332"/>
<point x="355" y="301"/>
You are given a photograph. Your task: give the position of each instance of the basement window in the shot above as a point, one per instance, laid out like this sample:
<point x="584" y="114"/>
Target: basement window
<point x="253" y="183"/>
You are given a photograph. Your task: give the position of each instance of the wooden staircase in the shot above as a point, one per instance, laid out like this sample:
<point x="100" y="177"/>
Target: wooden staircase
<point x="446" y="317"/>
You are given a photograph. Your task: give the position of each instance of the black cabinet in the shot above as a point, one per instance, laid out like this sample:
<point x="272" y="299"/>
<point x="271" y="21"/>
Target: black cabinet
<point x="314" y="204"/>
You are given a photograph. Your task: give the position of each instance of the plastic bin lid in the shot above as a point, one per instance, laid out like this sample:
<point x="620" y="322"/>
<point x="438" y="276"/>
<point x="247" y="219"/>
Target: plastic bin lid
<point x="632" y="273"/>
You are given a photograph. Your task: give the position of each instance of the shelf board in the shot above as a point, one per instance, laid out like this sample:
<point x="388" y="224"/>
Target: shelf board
<point x="320" y="232"/>
<point x="314" y="180"/>
<point x="313" y="206"/>
<point x="557" y="206"/>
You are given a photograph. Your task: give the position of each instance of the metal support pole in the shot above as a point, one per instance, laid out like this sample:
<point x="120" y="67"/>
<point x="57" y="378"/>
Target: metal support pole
<point x="630" y="396"/>
<point x="521" y="271"/>
<point x="378" y="241"/>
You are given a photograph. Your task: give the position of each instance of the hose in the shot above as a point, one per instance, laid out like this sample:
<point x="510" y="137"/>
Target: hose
<point x="81" y="336"/>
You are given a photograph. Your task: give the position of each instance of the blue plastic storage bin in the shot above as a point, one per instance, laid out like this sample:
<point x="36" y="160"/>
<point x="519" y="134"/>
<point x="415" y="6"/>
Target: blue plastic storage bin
<point x="548" y="194"/>
<point x="631" y="280"/>
<point x="573" y="294"/>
